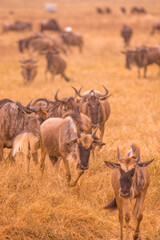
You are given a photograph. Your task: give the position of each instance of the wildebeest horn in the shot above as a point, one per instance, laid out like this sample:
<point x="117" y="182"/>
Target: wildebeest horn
<point x="23" y="107"/>
<point x="4" y="101"/>
<point x="42" y="99"/>
<point x="77" y="91"/>
<point x="94" y="133"/>
<point x="103" y="95"/>
<point x="118" y="154"/>
<point x="28" y="105"/>
<point x="56" y="97"/>
<point x="75" y="95"/>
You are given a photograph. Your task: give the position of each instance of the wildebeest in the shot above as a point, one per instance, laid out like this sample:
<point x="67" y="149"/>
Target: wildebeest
<point x="99" y="10"/>
<point x="138" y="10"/>
<point x="29" y="70"/>
<point x="17" y="26"/>
<point x="26" y="144"/>
<point x="130" y="179"/>
<point x="50" y="24"/>
<point x="55" y="64"/>
<point x="60" y="138"/>
<point x="126" y="33"/>
<point x="155" y="27"/>
<point x="72" y="39"/>
<point x="16" y="119"/>
<point x="95" y="105"/>
<point x="108" y="10"/>
<point x="142" y="57"/>
<point x="123" y="10"/>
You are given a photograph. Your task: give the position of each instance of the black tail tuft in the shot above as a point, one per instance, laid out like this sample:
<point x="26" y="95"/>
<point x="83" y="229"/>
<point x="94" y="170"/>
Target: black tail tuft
<point x="112" y="205"/>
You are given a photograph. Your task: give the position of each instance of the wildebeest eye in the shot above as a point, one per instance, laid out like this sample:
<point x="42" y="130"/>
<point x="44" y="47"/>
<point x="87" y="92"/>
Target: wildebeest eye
<point x="132" y="172"/>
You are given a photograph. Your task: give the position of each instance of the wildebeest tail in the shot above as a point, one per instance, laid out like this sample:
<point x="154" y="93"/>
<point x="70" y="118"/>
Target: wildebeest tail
<point x="112" y="205"/>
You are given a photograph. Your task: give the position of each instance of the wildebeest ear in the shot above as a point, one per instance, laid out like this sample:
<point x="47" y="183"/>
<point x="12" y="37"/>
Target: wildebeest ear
<point x="144" y="164"/>
<point x="98" y="143"/>
<point x="69" y="144"/>
<point x="112" y="165"/>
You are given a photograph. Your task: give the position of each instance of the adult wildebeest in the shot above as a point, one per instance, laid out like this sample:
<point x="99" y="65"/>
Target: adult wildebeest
<point x="142" y="57"/>
<point x="138" y="10"/>
<point x="61" y="138"/>
<point x="72" y="39"/>
<point x="29" y="70"/>
<point x="99" y="10"/>
<point x="108" y="10"/>
<point x="16" y="119"/>
<point x="50" y="24"/>
<point x="95" y="105"/>
<point x="130" y="179"/>
<point x="123" y="10"/>
<point x="40" y="42"/>
<point x="55" y="64"/>
<point x="126" y="33"/>
<point x="155" y="27"/>
<point x="17" y="26"/>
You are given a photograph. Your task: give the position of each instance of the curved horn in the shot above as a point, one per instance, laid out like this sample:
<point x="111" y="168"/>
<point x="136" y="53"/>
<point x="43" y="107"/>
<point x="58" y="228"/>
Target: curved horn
<point x="28" y="105"/>
<point x="75" y="95"/>
<point x="77" y="91"/>
<point x="56" y="97"/>
<point x="106" y="92"/>
<point x="23" y="107"/>
<point x="42" y="99"/>
<point x="4" y="101"/>
<point x="118" y="154"/>
<point x="94" y="133"/>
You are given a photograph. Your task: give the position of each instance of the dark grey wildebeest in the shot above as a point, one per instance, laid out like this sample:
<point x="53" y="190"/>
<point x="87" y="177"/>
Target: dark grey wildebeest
<point x="95" y="105"/>
<point x="50" y="24"/>
<point x="126" y="33"/>
<point x="17" y="119"/>
<point x="72" y="39"/>
<point x="130" y="180"/>
<point x="155" y="27"/>
<point x="142" y="57"/>
<point x="17" y="26"/>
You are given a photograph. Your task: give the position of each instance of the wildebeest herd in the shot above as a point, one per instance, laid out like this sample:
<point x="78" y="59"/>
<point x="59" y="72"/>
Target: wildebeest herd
<point x="67" y="128"/>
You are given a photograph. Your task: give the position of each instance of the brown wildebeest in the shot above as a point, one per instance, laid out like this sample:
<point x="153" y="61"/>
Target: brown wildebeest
<point x="29" y="70"/>
<point x="155" y="27"/>
<point x="55" y="64"/>
<point x="126" y="33"/>
<point x="17" y="26"/>
<point x="16" y="119"/>
<point x="123" y="10"/>
<point x="99" y="10"/>
<point x="108" y="10"/>
<point x="72" y="39"/>
<point x="50" y="24"/>
<point x="95" y="105"/>
<point x="61" y="138"/>
<point x="142" y="57"/>
<point x="130" y="179"/>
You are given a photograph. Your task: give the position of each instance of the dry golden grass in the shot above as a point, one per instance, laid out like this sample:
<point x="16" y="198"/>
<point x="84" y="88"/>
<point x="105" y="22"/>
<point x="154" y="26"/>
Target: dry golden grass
<point x="31" y="208"/>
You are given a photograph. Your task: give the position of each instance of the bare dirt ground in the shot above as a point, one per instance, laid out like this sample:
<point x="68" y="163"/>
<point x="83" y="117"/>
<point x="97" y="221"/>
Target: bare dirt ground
<point x="31" y="208"/>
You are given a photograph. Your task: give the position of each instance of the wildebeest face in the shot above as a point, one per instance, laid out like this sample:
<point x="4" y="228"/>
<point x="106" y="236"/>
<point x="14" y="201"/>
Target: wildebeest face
<point x="126" y="182"/>
<point x="93" y="104"/>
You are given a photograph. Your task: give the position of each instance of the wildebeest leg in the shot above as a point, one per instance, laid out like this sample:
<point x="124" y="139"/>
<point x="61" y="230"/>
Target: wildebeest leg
<point x="68" y="174"/>
<point x="102" y="127"/>
<point x="139" y="74"/>
<point x="127" y="217"/>
<point x="80" y="173"/>
<point x="1" y="150"/>
<point x="28" y="157"/>
<point x="65" y="77"/>
<point x="42" y="161"/>
<point x="145" y="71"/>
<point x="120" y="208"/>
<point x="35" y="157"/>
<point x="138" y="214"/>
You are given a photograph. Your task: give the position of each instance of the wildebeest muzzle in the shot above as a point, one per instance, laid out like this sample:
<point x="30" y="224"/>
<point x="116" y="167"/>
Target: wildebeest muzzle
<point x="84" y="157"/>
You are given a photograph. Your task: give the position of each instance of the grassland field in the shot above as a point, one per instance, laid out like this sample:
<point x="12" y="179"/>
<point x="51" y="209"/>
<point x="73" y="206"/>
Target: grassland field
<point x="32" y="208"/>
